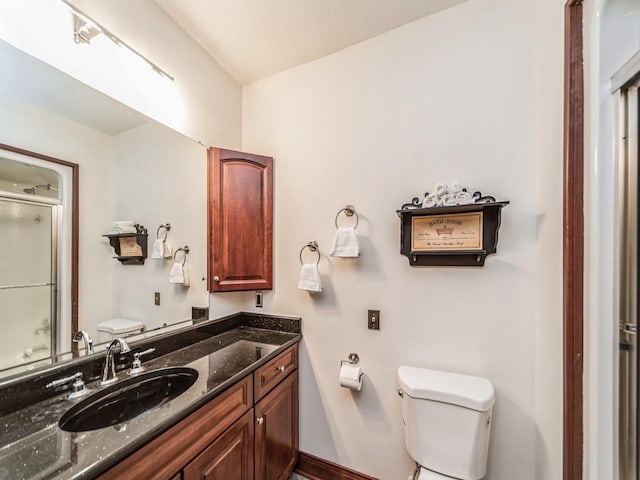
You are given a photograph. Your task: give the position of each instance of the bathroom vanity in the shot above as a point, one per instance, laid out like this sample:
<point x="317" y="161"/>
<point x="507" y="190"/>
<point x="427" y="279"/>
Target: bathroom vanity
<point x="238" y="420"/>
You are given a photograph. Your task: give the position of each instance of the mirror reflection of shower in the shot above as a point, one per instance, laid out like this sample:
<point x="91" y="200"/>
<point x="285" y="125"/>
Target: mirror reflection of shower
<point x="35" y="188"/>
<point x="29" y="231"/>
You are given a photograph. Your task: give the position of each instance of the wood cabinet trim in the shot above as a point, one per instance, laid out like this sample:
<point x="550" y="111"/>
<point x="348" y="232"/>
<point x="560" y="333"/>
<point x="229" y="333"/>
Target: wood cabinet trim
<point x="168" y="453"/>
<point x="315" y="468"/>
<point x="272" y="372"/>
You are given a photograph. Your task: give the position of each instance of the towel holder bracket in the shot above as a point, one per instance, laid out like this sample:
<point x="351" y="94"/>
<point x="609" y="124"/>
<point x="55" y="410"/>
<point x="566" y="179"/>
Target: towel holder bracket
<point x="349" y="211"/>
<point x="166" y="227"/>
<point x="313" y="247"/>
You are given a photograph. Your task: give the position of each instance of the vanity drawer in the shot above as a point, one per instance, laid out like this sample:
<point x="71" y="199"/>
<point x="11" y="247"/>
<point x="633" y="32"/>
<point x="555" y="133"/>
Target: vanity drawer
<point x="271" y="373"/>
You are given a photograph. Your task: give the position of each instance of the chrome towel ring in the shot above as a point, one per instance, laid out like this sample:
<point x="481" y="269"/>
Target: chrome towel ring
<point x="349" y="211"/>
<point x="185" y="250"/>
<point x="166" y="227"/>
<point x="313" y="246"/>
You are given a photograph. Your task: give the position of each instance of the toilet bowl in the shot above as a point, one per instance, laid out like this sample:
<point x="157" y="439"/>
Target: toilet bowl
<point x="118" y="327"/>
<point x="446" y="419"/>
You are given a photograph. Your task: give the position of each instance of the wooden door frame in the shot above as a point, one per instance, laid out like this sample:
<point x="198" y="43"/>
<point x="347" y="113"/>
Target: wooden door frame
<point x="573" y="243"/>
<point x="75" y="227"/>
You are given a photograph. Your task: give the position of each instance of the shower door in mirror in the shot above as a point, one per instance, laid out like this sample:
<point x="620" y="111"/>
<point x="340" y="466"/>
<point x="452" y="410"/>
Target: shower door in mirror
<point x="28" y="237"/>
<point x="629" y="128"/>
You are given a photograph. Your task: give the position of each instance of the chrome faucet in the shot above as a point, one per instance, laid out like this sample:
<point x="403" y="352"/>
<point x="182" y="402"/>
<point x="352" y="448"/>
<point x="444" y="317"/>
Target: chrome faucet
<point x="88" y="343"/>
<point x="109" y="374"/>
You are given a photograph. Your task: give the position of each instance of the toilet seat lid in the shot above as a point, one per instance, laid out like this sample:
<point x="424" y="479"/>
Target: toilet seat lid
<point x="426" y="474"/>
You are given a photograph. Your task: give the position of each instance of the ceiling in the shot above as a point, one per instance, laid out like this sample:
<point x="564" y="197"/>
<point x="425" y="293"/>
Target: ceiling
<point x="252" y="39"/>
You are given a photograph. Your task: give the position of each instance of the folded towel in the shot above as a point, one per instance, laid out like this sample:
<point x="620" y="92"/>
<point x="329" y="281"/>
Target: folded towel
<point x="115" y="230"/>
<point x="161" y="249"/>
<point x="449" y="200"/>
<point x="179" y="274"/>
<point x="176" y="275"/>
<point x="310" y="278"/>
<point x="123" y="223"/>
<point x="463" y="198"/>
<point x="430" y="201"/>
<point x="346" y="243"/>
<point x="454" y="187"/>
<point x="185" y="276"/>
<point x="158" y="249"/>
<point x="439" y="189"/>
<point x="167" y="251"/>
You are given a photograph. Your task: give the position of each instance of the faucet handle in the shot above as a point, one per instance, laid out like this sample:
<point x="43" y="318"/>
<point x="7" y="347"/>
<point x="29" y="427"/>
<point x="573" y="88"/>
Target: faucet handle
<point x="77" y="387"/>
<point x="137" y="367"/>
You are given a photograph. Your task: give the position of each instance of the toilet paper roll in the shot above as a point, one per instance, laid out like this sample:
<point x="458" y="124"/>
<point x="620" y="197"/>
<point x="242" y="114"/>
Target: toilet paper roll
<point x="351" y="376"/>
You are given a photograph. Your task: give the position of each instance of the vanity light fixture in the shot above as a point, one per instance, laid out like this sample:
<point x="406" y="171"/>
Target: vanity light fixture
<point x="85" y="29"/>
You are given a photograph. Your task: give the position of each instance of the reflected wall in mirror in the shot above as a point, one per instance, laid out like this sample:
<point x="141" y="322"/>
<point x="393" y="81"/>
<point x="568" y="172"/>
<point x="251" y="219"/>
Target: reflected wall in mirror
<point x="130" y="168"/>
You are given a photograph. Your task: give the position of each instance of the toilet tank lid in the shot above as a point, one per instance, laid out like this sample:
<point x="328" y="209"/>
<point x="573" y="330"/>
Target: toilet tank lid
<point x="120" y="325"/>
<point x="476" y="393"/>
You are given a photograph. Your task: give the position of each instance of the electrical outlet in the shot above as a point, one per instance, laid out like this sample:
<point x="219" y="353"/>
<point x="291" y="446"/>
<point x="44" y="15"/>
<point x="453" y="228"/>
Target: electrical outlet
<point x="374" y="320"/>
<point x="156" y="298"/>
<point x="259" y="299"/>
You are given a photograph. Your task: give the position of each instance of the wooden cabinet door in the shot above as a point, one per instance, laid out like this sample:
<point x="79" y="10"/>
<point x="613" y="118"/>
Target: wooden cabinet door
<point x="276" y="431"/>
<point x="240" y="221"/>
<point x="230" y="457"/>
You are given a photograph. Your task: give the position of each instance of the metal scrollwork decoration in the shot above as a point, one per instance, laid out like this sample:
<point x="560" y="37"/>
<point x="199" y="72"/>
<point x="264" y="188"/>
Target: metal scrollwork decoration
<point x="450" y="195"/>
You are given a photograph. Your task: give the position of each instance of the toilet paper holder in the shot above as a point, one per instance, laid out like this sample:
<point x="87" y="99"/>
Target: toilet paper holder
<point x="353" y="359"/>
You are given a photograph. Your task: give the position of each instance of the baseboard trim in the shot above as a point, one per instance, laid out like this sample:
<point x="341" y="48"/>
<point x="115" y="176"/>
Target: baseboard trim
<point x="315" y="468"/>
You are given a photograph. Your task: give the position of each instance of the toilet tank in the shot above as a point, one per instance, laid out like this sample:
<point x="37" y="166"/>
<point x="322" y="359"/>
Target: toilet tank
<point x="446" y="419"/>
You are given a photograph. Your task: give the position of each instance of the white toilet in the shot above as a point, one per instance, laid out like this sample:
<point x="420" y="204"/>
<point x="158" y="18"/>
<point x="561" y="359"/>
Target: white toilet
<point x="447" y="421"/>
<point x="118" y="327"/>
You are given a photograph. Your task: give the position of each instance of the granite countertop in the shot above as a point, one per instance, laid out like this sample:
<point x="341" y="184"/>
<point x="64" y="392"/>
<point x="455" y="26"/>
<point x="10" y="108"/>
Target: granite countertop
<point x="32" y="446"/>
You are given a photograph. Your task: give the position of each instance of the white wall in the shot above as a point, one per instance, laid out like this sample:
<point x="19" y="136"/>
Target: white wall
<point x="203" y="102"/>
<point x="454" y="96"/>
<point x="549" y="63"/>
<point x="612" y="36"/>
<point x="161" y="178"/>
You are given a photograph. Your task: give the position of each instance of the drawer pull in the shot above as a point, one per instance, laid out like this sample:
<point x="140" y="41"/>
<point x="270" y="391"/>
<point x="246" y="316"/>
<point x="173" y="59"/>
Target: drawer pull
<point x="280" y="368"/>
<point x="260" y="420"/>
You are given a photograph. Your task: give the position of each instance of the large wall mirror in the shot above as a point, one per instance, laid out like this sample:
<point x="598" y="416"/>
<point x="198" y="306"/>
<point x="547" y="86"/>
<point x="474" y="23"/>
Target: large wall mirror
<point x="63" y="140"/>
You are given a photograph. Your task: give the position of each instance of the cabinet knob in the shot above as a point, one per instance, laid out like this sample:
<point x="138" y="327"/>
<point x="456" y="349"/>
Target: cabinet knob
<point x="216" y="279"/>
<point x="260" y="420"/>
<point x="280" y="368"/>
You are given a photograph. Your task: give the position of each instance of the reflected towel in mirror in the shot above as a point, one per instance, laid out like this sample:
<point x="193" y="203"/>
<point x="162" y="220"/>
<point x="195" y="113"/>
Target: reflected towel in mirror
<point x="179" y="274"/>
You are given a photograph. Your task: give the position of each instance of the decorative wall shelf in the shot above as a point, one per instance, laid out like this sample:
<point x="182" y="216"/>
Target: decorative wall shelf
<point x="130" y="248"/>
<point x="458" y="235"/>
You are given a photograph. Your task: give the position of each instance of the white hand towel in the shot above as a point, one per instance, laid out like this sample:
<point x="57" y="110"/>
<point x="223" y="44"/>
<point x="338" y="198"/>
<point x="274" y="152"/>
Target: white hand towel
<point x="167" y="251"/>
<point x="463" y="198"/>
<point x="430" y="201"/>
<point x="176" y="275"/>
<point x="439" y="189"/>
<point x="158" y="249"/>
<point x="310" y="278"/>
<point x="185" y="276"/>
<point x="346" y="243"/>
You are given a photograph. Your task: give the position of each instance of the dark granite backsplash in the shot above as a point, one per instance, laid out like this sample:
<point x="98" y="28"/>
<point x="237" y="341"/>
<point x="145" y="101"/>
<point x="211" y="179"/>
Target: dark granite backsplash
<point x="27" y="389"/>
